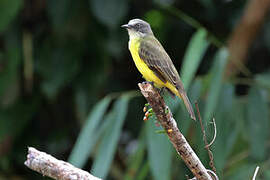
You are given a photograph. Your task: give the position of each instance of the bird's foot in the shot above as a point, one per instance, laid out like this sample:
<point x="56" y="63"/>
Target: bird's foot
<point x="148" y="112"/>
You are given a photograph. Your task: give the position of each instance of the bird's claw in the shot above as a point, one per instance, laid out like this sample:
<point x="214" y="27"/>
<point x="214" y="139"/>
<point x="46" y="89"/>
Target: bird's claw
<point x="148" y="112"/>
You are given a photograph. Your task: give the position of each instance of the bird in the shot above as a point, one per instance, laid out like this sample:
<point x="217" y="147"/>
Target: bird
<point x="153" y="62"/>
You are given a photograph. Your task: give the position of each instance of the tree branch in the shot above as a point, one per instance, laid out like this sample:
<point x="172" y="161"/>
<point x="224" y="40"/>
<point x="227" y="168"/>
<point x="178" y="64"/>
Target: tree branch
<point x="207" y="146"/>
<point x="179" y="142"/>
<point x="54" y="168"/>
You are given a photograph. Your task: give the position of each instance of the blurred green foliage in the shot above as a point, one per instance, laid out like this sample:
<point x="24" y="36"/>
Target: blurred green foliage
<point x="68" y="86"/>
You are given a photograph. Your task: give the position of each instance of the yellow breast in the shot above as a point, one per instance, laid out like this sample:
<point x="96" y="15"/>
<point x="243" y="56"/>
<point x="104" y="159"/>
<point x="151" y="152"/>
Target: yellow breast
<point x="147" y="73"/>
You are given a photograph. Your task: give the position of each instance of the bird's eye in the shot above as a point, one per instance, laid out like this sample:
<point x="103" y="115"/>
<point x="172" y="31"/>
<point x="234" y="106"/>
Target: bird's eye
<point x="137" y="26"/>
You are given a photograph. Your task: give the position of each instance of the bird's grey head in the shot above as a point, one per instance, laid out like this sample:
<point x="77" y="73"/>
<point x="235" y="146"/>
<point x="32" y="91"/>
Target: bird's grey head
<point x="138" y="27"/>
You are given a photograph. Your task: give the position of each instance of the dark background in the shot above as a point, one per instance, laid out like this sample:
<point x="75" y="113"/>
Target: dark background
<point x="59" y="59"/>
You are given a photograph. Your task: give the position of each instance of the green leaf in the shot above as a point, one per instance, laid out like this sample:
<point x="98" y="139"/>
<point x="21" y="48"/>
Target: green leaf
<point x="8" y="11"/>
<point x="258" y="122"/>
<point x="109" y="12"/>
<point x="84" y="143"/>
<point x="217" y="71"/>
<point x="193" y="56"/>
<point x="159" y="152"/>
<point x="263" y="79"/>
<point x="108" y="143"/>
<point x="136" y="159"/>
<point x="266" y="174"/>
<point x="226" y="123"/>
<point x="144" y="172"/>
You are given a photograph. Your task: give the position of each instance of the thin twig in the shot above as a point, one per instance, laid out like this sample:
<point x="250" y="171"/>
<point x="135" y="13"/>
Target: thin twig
<point x="207" y="146"/>
<point x="165" y="118"/>
<point x="255" y="173"/>
<point x="215" y="134"/>
<point x="49" y="166"/>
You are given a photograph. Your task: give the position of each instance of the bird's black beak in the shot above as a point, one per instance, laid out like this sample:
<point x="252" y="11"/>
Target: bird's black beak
<point x="126" y="26"/>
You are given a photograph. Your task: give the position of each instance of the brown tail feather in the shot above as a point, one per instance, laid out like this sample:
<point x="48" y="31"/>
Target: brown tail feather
<point x="188" y="105"/>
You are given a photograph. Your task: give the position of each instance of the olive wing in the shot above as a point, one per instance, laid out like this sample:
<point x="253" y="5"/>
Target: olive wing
<point x="156" y="58"/>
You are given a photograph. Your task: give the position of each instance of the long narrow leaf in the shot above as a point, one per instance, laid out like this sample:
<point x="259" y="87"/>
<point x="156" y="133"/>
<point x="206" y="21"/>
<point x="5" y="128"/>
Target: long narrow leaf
<point x="136" y="159"/>
<point x="227" y="115"/>
<point x="192" y="59"/>
<point x="193" y="56"/>
<point x="108" y="144"/>
<point x="159" y="152"/>
<point x="216" y="83"/>
<point x="85" y="142"/>
<point x="144" y="171"/>
<point x="258" y="122"/>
